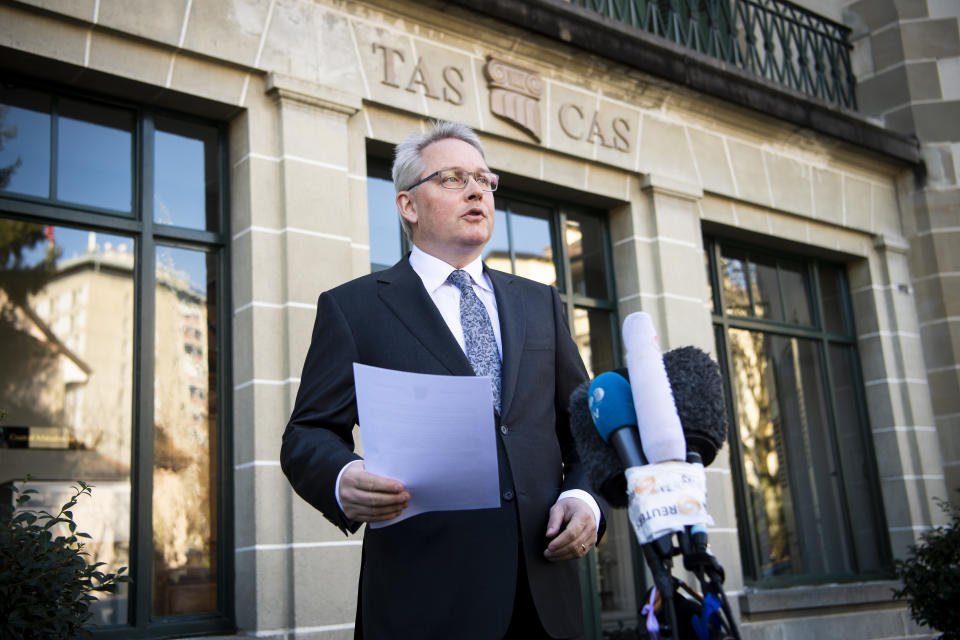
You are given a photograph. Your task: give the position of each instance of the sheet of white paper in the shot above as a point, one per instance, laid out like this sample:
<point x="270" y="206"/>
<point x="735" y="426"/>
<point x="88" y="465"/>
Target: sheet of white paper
<point x="435" y="434"/>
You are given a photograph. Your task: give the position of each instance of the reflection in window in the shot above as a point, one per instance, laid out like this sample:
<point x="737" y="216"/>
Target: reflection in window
<point x="764" y="287"/>
<point x="832" y="292"/>
<point x="531" y="241"/>
<point x="593" y="333"/>
<point x="384" y="219"/>
<point x="496" y="253"/>
<point x="803" y="464"/>
<point x="796" y="300"/>
<point x="185" y="187"/>
<point x="24" y="142"/>
<point x="184" y="505"/>
<point x="586" y="247"/>
<point x="66" y="384"/>
<point x="95" y="155"/>
<point x="782" y="419"/>
<point x="617" y="571"/>
<point x="71" y="315"/>
<point x="733" y="278"/>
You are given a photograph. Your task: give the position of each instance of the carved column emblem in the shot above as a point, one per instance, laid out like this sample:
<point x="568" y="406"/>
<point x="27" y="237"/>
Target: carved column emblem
<point x="515" y="95"/>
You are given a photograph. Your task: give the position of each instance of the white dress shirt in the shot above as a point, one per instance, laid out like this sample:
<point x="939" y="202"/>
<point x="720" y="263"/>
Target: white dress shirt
<point x="434" y="273"/>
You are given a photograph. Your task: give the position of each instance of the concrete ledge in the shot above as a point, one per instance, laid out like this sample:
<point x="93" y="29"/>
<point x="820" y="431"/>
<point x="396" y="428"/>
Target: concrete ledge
<point x="798" y="599"/>
<point x="670" y="186"/>
<point x="311" y="93"/>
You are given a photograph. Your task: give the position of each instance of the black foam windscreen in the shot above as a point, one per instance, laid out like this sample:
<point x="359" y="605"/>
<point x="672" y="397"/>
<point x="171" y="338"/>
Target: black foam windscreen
<point x="599" y="460"/>
<point x="698" y="393"/>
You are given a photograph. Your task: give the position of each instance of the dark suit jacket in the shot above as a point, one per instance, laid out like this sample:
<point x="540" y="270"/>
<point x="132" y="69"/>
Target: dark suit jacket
<point x="449" y="574"/>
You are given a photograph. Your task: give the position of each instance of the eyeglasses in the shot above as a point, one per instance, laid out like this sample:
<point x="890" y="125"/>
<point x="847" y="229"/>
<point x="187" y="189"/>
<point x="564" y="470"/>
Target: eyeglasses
<point x="457" y="179"/>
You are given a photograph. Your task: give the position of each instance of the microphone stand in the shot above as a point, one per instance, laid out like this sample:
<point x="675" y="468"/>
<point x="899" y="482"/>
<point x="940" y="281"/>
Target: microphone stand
<point x="659" y="556"/>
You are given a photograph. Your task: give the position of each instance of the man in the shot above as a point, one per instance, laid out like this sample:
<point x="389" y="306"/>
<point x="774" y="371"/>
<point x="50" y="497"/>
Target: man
<point x="486" y="573"/>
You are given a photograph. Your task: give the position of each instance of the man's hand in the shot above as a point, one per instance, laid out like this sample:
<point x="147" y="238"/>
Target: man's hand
<point x="573" y="520"/>
<point x="369" y="498"/>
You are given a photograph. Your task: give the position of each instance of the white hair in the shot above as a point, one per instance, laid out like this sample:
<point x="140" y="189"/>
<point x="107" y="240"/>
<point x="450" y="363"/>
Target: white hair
<point x="408" y="165"/>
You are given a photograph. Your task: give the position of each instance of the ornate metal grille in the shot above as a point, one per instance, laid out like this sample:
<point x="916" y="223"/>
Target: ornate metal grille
<point x="773" y="39"/>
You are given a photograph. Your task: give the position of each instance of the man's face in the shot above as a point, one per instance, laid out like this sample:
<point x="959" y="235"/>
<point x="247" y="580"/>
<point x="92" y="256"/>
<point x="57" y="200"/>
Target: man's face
<point x="449" y="224"/>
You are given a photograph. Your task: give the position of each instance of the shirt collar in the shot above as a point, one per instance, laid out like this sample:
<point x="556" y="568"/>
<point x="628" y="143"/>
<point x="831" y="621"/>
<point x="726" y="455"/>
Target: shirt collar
<point x="434" y="271"/>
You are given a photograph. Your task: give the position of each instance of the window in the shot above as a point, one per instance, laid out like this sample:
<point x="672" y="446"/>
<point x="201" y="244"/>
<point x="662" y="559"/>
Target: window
<point x="568" y="247"/>
<point x="807" y="495"/>
<point x="113" y="337"/>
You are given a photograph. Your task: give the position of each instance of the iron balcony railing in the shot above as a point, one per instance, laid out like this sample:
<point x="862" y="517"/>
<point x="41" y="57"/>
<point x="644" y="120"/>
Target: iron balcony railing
<point x="773" y="39"/>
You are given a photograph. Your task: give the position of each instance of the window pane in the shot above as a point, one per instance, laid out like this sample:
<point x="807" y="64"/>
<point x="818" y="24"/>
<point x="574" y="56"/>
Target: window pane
<point x="789" y="468"/>
<point x="384" y="219"/>
<point x="857" y="474"/>
<point x="95" y="155"/>
<point x="831" y="292"/>
<point x="593" y="334"/>
<point x="25" y="142"/>
<point x="584" y="238"/>
<point x="733" y="278"/>
<point x="66" y="335"/>
<point x="765" y="288"/>
<point x="186" y="189"/>
<point x="796" y="301"/>
<point x="617" y="573"/>
<point x="530" y="232"/>
<point x="496" y="253"/>
<point x="185" y="418"/>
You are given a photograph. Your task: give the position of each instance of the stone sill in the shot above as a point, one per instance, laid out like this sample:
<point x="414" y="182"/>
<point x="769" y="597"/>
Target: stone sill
<point x="800" y="599"/>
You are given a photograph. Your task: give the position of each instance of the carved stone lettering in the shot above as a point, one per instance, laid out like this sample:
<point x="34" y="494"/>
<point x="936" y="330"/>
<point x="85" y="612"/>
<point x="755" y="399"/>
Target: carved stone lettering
<point x="571" y="120"/>
<point x="596" y="131"/>
<point x="453" y="91"/>
<point x="421" y="76"/>
<point x="611" y="134"/>
<point x="515" y="95"/>
<point x="389" y="70"/>
<point x="620" y="129"/>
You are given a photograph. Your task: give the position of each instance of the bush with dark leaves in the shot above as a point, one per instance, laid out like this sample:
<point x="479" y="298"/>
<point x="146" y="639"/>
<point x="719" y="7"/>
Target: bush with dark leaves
<point x="46" y="583"/>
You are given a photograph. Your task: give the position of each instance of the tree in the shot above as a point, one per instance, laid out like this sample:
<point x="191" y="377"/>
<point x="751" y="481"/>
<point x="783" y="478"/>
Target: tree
<point x="6" y="132"/>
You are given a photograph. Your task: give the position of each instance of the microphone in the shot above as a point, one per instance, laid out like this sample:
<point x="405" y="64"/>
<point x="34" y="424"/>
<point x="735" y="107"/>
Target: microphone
<point x="698" y="391"/>
<point x="611" y="406"/>
<point x="698" y="394"/>
<point x="657" y="419"/>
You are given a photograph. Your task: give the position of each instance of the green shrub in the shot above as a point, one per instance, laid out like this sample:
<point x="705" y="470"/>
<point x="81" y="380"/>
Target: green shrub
<point x="46" y="583"/>
<point x="931" y="577"/>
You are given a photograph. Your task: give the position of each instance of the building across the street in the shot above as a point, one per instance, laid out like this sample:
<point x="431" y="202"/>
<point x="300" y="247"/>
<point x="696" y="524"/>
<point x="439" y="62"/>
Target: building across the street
<point x="776" y="183"/>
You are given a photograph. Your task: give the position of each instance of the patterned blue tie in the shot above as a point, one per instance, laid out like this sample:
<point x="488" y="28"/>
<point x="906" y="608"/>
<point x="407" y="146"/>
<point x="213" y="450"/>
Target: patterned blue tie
<point x="478" y="335"/>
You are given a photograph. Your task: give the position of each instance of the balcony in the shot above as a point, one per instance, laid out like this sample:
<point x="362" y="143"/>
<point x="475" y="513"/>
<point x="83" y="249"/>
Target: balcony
<point x="774" y="58"/>
<point x="773" y="39"/>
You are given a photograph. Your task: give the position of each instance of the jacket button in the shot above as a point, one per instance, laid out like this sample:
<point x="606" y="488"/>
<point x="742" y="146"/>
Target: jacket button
<point x="504" y="430"/>
<point x="508" y="495"/>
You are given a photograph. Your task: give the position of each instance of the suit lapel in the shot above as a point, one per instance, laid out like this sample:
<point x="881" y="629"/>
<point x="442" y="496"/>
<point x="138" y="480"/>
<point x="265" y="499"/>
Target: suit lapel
<point x="512" y="312"/>
<point x="403" y="293"/>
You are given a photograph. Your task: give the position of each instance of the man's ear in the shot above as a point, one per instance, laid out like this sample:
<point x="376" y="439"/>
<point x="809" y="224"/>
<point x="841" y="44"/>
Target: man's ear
<point x="408" y="209"/>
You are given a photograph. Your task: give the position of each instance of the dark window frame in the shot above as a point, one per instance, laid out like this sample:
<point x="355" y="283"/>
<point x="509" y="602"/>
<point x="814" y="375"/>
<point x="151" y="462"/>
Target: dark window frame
<point x="146" y="235"/>
<point x="818" y="333"/>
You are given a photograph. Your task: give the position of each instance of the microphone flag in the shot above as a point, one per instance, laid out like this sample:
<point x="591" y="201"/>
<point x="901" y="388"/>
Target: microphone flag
<point x="666" y="497"/>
